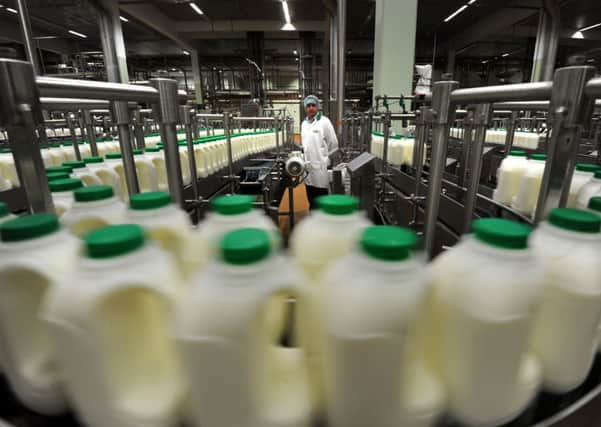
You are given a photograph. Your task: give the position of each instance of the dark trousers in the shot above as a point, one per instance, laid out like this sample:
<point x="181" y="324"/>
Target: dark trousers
<point x="313" y="193"/>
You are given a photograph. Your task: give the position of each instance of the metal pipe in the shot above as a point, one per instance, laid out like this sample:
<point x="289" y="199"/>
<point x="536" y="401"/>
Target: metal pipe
<point x="421" y="136"/>
<point x="167" y="112"/>
<point x="441" y="109"/>
<point x="521" y="106"/>
<point x="28" y="41"/>
<point x="71" y="125"/>
<point x="71" y="88"/>
<point x="71" y="104"/>
<point x="501" y="93"/>
<point x="20" y="115"/>
<point x="122" y="119"/>
<point x="139" y="130"/>
<point x="209" y="116"/>
<point x="482" y="118"/>
<point x="570" y="110"/>
<point x="593" y="88"/>
<point x="341" y="63"/>
<point x="277" y="140"/>
<point x="263" y="119"/>
<point x="230" y="156"/>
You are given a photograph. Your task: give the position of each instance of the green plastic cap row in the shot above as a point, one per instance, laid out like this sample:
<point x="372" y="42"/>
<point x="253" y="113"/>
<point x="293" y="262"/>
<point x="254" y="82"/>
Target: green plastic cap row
<point x="388" y="243"/>
<point x="232" y="205"/>
<point x="29" y="227"/>
<point x="68" y="184"/>
<point x="4" y="210"/>
<point x="575" y="220"/>
<point x="149" y="200"/>
<point x="75" y="164"/>
<point x="53" y="176"/>
<point x="501" y="233"/>
<point x="114" y="241"/>
<point x="93" y="193"/>
<point x="245" y="246"/>
<point x="338" y="204"/>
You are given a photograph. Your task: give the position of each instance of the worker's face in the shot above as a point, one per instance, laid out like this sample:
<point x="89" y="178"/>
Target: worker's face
<point x="311" y="110"/>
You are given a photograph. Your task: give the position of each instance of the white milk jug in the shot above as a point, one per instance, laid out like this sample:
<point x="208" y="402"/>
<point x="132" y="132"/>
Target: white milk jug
<point x="509" y="176"/>
<point x="94" y="207"/>
<point x="168" y="225"/>
<point x="317" y="242"/>
<point x="82" y="172"/>
<point x="583" y="174"/>
<point x="147" y="173"/>
<point x="8" y="168"/>
<point x="589" y="190"/>
<point x="479" y="319"/>
<point x="109" y="325"/>
<point x="371" y="301"/>
<point x="527" y="196"/>
<point x="57" y="155"/>
<point x="565" y="330"/>
<point x="35" y="256"/>
<point x="62" y="193"/>
<point x="106" y="174"/>
<point x="238" y="375"/>
<point x="156" y="156"/>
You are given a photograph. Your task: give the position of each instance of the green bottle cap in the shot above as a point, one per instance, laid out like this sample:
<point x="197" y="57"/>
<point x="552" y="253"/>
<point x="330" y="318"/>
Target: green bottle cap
<point x="517" y="153"/>
<point x="539" y="157"/>
<point x="594" y="204"/>
<point x="150" y="200"/>
<point x="338" y="204"/>
<point x="114" y="240"/>
<point x="68" y="184"/>
<point x="587" y="167"/>
<point x="575" y="220"/>
<point x="29" y="227"/>
<point x="502" y="233"/>
<point x="75" y="164"/>
<point x="245" y="246"/>
<point x="94" y="159"/>
<point x="4" y="210"/>
<point x="67" y="169"/>
<point x="232" y="205"/>
<point x="113" y="156"/>
<point x="93" y="193"/>
<point x="388" y="243"/>
<point x="53" y="176"/>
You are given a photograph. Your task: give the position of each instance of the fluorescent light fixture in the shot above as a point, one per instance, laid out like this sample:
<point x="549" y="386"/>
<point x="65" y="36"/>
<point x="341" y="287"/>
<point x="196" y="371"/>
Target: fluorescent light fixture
<point x="196" y="8"/>
<point x="578" y="35"/>
<point x="123" y="19"/>
<point x="590" y="60"/>
<point x="485" y="61"/>
<point x="185" y="52"/>
<point x="590" y="28"/>
<point x="295" y="52"/>
<point x="286" y="11"/>
<point x="288" y="27"/>
<point x="471" y="2"/>
<point x="75" y="33"/>
<point x="457" y="12"/>
<point x="505" y="54"/>
<point x="296" y="59"/>
<point x="11" y="10"/>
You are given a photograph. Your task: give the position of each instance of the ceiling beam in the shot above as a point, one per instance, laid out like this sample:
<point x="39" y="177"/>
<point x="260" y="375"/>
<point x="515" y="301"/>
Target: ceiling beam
<point x="243" y="25"/>
<point x="154" y="19"/>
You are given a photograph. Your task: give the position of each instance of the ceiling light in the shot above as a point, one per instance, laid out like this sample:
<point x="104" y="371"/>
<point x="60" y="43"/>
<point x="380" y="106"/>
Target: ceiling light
<point x="578" y="35"/>
<point x="286" y="11"/>
<point x="75" y="33"/>
<point x="196" y="8"/>
<point x="288" y="27"/>
<point x="295" y="52"/>
<point x="11" y="10"/>
<point x="590" y="28"/>
<point x="485" y="61"/>
<point x="123" y="19"/>
<point x="457" y="12"/>
<point x="471" y="2"/>
<point x="185" y="52"/>
<point x="590" y="60"/>
<point x="296" y="59"/>
<point x="505" y="54"/>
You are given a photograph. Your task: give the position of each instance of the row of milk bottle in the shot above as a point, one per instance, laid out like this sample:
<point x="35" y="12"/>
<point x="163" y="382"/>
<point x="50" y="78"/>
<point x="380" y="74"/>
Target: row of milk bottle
<point x="519" y="181"/>
<point x="381" y="340"/>
<point x="521" y="139"/>
<point x="400" y="149"/>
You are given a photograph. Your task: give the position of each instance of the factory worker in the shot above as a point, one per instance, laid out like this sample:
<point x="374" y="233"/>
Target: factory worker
<point x="319" y="141"/>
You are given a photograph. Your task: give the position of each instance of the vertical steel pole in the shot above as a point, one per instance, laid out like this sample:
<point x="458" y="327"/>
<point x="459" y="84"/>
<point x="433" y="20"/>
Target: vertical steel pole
<point x="87" y="123"/>
<point x="186" y="113"/>
<point x="441" y="109"/>
<point x="167" y="110"/>
<point x="277" y="138"/>
<point x="121" y="119"/>
<point x="71" y="125"/>
<point x="468" y="136"/>
<point x="569" y="111"/>
<point x="139" y="129"/>
<point x="28" y="42"/>
<point x="482" y="118"/>
<point x="510" y="129"/>
<point x="21" y="114"/>
<point x="227" y="122"/>
<point x="341" y="63"/>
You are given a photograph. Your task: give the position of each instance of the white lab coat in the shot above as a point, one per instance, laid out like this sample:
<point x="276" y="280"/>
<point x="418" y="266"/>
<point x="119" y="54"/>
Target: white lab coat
<point x="318" y="139"/>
